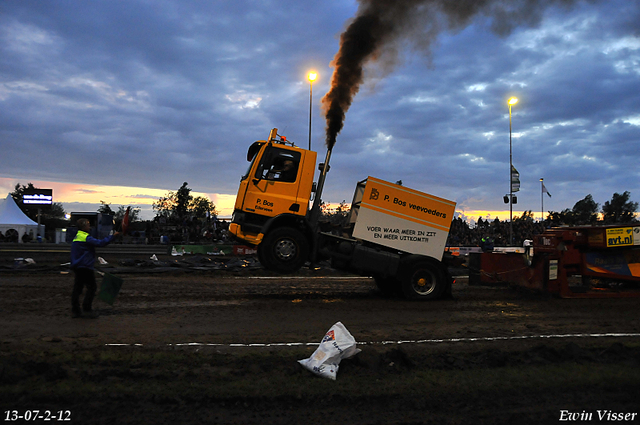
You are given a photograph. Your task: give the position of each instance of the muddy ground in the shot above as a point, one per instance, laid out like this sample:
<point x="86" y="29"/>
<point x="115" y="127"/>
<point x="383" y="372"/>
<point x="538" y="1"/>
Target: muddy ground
<point x="221" y="346"/>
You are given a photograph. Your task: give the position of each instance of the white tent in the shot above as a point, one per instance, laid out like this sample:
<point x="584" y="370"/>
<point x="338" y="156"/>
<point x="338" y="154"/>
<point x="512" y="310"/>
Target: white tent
<point x="12" y="219"/>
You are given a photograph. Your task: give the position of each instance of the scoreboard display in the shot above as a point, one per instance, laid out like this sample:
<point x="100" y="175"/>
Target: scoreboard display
<point x="38" y="198"/>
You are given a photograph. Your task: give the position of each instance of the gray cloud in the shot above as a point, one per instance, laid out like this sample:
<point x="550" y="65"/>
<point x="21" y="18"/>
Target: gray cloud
<point x="154" y="94"/>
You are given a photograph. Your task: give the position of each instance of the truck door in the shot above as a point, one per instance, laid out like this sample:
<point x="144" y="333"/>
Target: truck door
<point x="273" y="189"/>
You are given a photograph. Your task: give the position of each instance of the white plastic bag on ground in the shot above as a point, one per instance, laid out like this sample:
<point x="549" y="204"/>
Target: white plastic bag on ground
<point x="336" y="345"/>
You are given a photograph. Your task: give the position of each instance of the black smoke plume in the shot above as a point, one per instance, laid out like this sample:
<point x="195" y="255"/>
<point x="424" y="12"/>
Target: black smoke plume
<point x="380" y="27"/>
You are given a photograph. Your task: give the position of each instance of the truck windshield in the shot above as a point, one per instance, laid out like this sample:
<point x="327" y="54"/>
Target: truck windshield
<point x="279" y="165"/>
<point x="251" y="157"/>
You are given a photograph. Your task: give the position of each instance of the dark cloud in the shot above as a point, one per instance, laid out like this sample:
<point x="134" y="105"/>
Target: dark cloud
<point x="152" y="94"/>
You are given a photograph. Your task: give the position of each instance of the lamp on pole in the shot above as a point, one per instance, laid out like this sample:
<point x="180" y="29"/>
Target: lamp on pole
<point x="511" y="102"/>
<point x="311" y="77"/>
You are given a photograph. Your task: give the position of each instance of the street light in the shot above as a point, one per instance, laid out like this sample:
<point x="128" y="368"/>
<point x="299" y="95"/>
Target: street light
<point x="511" y="102"/>
<point x="311" y="77"/>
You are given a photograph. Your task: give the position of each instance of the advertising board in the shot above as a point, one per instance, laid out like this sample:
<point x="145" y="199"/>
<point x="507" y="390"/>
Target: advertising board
<point x="403" y="218"/>
<point x="37" y="198"/>
<point x="623" y="236"/>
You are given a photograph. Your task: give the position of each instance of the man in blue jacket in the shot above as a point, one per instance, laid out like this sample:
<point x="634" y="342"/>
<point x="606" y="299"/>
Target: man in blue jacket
<point x="83" y="256"/>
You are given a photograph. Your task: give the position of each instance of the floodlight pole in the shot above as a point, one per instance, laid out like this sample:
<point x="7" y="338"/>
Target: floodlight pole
<point x="311" y="77"/>
<point x="511" y="102"/>
<point x="310" y="105"/>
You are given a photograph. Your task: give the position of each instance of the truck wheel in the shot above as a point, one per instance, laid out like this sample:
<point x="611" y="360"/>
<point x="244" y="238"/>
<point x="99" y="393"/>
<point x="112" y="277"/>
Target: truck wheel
<point x="423" y="280"/>
<point x="284" y="250"/>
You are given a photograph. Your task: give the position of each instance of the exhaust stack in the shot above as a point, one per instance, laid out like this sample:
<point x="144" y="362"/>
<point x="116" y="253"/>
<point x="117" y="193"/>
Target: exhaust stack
<point x="314" y="215"/>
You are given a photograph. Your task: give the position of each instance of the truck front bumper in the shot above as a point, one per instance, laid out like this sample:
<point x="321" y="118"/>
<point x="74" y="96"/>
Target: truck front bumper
<point x="251" y="238"/>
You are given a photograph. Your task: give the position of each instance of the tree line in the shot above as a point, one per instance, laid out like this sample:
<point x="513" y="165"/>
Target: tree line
<point x="619" y="210"/>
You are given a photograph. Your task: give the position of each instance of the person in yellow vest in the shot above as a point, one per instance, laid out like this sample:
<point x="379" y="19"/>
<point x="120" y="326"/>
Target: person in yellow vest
<point x="83" y="257"/>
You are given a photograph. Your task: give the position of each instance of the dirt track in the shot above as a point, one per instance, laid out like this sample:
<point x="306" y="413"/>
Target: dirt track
<point x="221" y="347"/>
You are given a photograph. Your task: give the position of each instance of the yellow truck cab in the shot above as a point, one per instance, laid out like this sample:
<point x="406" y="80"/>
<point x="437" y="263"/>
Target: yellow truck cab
<point x="275" y="192"/>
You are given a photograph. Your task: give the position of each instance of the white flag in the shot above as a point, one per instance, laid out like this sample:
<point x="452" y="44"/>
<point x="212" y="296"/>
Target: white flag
<point x="544" y="190"/>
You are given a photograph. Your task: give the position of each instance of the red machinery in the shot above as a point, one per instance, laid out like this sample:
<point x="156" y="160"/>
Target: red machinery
<point x="572" y="262"/>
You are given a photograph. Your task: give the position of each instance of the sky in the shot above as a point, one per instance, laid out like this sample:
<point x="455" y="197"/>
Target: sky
<point x="123" y="101"/>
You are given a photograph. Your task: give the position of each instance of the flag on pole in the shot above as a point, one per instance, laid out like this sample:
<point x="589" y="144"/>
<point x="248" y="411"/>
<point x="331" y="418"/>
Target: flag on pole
<point x="515" y="179"/>
<point x="544" y="190"/>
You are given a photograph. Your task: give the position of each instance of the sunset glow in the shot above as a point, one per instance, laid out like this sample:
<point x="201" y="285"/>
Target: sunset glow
<point x="81" y="197"/>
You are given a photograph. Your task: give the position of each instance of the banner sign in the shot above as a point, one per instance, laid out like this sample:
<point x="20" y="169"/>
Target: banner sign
<point x="612" y="263"/>
<point x="403" y="219"/>
<point x="38" y="197"/>
<point x="623" y="236"/>
<point x="515" y="179"/>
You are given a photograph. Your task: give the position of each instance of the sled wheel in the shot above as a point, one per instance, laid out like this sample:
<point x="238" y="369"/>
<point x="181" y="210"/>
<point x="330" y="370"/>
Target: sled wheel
<point x="423" y="280"/>
<point x="284" y="250"/>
